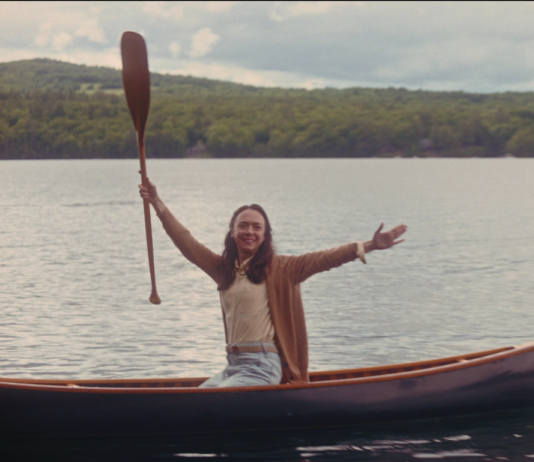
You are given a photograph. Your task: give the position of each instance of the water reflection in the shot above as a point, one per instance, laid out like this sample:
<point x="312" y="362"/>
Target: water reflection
<point x="497" y="436"/>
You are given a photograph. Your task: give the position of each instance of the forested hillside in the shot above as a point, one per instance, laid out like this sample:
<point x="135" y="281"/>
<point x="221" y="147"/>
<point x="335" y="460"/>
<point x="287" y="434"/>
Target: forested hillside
<point x="51" y="109"/>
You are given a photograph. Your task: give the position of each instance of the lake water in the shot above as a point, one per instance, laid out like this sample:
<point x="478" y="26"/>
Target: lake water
<point x="75" y="280"/>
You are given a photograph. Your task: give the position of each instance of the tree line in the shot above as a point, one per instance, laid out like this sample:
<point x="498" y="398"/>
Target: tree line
<point x="50" y="109"/>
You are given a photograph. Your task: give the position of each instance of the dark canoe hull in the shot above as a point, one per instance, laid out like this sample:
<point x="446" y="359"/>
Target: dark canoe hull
<point x="497" y="381"/>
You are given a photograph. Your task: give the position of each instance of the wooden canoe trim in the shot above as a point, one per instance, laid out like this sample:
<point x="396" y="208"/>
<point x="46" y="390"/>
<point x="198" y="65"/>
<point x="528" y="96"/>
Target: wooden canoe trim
<point x="397" y="368"/>
<point x="189" y="382"/>
<point x="189" y="385"/>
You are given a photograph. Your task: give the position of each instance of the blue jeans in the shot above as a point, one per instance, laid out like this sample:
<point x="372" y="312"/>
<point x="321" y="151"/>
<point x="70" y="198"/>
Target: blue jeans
<point x="248" y="369"/>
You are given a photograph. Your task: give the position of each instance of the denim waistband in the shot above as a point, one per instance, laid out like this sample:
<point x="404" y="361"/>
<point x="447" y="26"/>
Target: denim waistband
<point x="251" y="348"/>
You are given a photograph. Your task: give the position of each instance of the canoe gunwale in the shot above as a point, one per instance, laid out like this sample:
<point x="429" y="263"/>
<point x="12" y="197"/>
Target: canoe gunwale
<point x="453" y="363"/>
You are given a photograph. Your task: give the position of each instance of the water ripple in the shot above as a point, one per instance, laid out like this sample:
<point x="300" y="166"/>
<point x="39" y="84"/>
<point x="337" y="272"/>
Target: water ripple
<point x="75" y="278"/>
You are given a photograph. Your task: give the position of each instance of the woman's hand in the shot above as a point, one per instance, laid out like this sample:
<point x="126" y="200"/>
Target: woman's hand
<point x="389" y="238"/>
<point x="150" y="193"/>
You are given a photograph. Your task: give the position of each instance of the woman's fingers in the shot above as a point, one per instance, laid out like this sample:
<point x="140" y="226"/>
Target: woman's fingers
<point x="388" y="238"/>
<point x="148" y="182"/>
<point x="148" y="191"/>
<point x="143" y="192"/>
<point x="399" y="230"/>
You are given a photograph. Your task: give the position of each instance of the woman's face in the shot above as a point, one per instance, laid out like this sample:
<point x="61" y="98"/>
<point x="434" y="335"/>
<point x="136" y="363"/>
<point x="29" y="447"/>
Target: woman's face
<point x="248" y="233"/>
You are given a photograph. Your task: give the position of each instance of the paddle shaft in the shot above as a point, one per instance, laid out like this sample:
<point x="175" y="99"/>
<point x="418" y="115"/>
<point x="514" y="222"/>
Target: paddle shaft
<point x="154" y="298"/>
<point x="136" y="79"/>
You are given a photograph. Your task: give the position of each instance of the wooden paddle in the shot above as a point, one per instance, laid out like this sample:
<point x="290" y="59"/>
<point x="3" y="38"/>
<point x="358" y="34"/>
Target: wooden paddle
<point x="136" y="80"/>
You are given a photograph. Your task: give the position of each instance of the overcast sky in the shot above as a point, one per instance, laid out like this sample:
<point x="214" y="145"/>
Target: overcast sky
<point x="470" y="46"/>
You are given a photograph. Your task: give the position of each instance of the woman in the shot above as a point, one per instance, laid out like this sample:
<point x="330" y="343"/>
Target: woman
<point x="260" y="292"/>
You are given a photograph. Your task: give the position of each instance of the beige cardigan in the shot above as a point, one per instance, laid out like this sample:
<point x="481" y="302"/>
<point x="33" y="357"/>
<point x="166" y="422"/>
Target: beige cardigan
<point x="284" y="276"/>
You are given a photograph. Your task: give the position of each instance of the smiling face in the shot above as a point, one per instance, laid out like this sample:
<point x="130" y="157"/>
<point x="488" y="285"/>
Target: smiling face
<point x="249" y="233"/>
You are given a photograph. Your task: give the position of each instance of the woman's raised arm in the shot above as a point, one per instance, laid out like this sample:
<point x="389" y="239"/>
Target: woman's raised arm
<point x="196" y="252"/>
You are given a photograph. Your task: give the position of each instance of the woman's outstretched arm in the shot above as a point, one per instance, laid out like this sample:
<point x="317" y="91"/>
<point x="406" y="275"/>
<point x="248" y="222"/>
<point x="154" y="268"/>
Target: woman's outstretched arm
<point x="303" y="266"/>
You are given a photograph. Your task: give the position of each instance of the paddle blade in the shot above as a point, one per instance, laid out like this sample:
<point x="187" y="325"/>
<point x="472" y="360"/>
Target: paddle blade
<point x="136" y="79"/>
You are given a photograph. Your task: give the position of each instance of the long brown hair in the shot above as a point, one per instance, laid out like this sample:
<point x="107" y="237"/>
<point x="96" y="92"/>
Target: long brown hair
<point x="258" y="263"/>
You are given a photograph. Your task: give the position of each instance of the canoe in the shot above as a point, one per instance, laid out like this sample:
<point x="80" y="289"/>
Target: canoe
<point x="490" y="380"/>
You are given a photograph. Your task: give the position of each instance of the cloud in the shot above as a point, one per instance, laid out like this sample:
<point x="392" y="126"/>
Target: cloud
<point x="42" y="39"/>
<point x="218" y="7"/>
<point x="107" y="58"/>
<point x="91" y="29"/>
<point x="285" y="10"/>
<point x="61" y="40"/>
<point x="230" y="73"/>
<point x="15" y="54"/>
<point x="203" y="42"/>
<point x="471" y="46"/>
<point x="166" y="10"/>
<point x="175" y="48"/>
<point x="47" y="36"/>
<point x="59" y="31"/>
<point x="237" y="74"/>
<point x="310" y="84"/>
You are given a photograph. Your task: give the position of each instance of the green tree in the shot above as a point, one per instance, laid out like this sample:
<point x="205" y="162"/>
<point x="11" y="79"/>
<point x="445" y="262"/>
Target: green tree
<point x="522" y="143"/>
